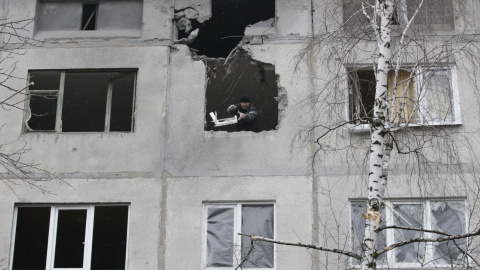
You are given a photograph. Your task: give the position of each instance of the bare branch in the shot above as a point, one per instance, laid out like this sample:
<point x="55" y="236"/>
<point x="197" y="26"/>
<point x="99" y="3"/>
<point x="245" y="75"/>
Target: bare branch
<point x="338" y="251"/>
<point x="430" y="240"/>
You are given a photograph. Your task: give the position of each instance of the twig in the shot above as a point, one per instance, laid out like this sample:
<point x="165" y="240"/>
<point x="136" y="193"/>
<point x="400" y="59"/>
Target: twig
<point x="334" y="250"/>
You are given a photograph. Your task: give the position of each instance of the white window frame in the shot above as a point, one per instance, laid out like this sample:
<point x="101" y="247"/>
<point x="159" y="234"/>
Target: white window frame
<point x="389" y="221"/>
<point x="237" y="251"/>
<point x="422" y="102"/>
<point x="60" y="92"/>
<point x="52" y="233"/>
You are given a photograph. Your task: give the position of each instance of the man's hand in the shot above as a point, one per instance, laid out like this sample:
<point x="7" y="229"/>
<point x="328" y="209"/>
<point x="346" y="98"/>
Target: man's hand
<point x="242" y="116"/>
<point x="232" y="107"/>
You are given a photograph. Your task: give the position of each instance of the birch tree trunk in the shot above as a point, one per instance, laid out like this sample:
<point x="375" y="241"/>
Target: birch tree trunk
<point x="379" y="128"/>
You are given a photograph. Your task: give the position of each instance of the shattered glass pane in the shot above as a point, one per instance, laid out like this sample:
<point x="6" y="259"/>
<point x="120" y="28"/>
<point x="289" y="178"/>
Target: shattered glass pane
<point x="258" y="220"/>
<point x="43" y="109"/>
<point x="408" y="215"/>
<point x="449" y="217"/>
<point x="241" y="75"/>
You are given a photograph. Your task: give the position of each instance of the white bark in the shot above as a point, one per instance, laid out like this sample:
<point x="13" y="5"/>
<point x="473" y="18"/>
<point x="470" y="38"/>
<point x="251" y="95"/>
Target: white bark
<point x="379" y="128"/>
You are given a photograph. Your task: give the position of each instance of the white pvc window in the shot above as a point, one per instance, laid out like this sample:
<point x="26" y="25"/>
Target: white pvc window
<point x="223" y="248"/>
<point x="442" y="215"/>
<point x="70" y="237"/>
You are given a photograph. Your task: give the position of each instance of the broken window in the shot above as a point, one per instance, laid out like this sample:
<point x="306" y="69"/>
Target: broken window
<point x="434" y="14"/>
<point x="231" y="71"/>
<point x="81" y="101"/>
<point x="220" y="34"/>
<point x="422" y="96"/>
<point x="89" y="15"/>
<point x="442" y="215"/>
<point x="241" y="75"/>
<point x="81" y="237"/>
<point x="222" y="245"/>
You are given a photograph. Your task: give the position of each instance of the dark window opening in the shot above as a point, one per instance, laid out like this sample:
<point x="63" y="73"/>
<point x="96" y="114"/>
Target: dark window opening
<point x="362" y="85"/>
<point x="89" y="16"/>
<point x="81" y="101"/>
<point x="72" y="234"/>
<point x="70" y="244"/>
<point x="109" y="245"/>
<point x="219" y="35"/>
<point x="31" y="238"/>
<point x="241" y="75"/>
<point x="401" y="88"/>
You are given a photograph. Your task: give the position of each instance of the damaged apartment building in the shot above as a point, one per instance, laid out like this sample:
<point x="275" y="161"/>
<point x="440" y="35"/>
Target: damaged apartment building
<point x="120" y="98"/>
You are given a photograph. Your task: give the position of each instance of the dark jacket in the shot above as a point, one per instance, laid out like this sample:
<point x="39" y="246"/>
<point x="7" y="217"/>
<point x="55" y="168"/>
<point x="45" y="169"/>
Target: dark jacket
<point x="249" y="123"/>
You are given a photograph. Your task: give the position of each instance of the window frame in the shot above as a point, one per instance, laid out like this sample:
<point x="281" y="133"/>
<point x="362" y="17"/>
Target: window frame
<point x="52" y="232"/>
<point x="60" y="94"/>
<point x="421" y="101"/>
<point x="389" y="235"/>
<point x="237" y="239"/>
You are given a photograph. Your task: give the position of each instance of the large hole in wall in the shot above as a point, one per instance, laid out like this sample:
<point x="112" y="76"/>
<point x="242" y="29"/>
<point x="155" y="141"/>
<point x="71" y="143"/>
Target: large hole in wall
<point x="220" y="34"/>
<point x="231" y="71"/>
<point x="243" y="75"/>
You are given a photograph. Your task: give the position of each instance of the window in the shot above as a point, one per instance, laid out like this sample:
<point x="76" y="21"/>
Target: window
<point x="76" y="101"/>
<point x="442" y="215"/>
<point x="422" y="96"/>
<point x="54" y="15"/>
<point x="433" y="14"/>
<point x="73" y="237"/>
<point x="223" y="247"/>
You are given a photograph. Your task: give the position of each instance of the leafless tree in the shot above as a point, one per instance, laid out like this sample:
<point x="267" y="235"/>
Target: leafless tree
<point x="15" y="170"/>
<point x="395" y="65"/>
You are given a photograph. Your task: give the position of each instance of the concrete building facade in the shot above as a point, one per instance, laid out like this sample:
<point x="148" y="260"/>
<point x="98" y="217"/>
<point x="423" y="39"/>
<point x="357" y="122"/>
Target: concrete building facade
<point x="163" y="162"/>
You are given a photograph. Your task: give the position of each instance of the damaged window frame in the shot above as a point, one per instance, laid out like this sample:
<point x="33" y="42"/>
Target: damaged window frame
<point x="59" y="94"/>
<point x="420" y="113"/>
<point x="92" y="19"/>
<point x="390" y="217"/>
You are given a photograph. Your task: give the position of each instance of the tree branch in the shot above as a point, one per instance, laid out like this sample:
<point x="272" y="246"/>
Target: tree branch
<point x="431" y="240"/>
<point x="334" y="250"/>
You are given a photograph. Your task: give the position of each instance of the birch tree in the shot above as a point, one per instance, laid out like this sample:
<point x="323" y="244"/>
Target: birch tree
<point x="401" y="53"/>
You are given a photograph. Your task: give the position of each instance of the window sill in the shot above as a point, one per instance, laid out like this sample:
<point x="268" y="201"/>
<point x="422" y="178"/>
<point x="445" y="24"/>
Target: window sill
<point x="211" y="135"/>
<point x="135" y="33"/>
<point x="364" y="128"/>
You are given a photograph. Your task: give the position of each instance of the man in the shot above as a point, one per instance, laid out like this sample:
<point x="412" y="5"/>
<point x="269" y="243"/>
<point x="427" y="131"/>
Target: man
<point x="247" y="114"/>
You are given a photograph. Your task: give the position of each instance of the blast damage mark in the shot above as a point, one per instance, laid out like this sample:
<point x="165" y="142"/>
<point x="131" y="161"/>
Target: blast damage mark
<point x="231" y="71"/>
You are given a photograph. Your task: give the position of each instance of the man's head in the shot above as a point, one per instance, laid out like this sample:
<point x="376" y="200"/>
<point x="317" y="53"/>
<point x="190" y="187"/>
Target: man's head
<point x="244" y="101"/>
